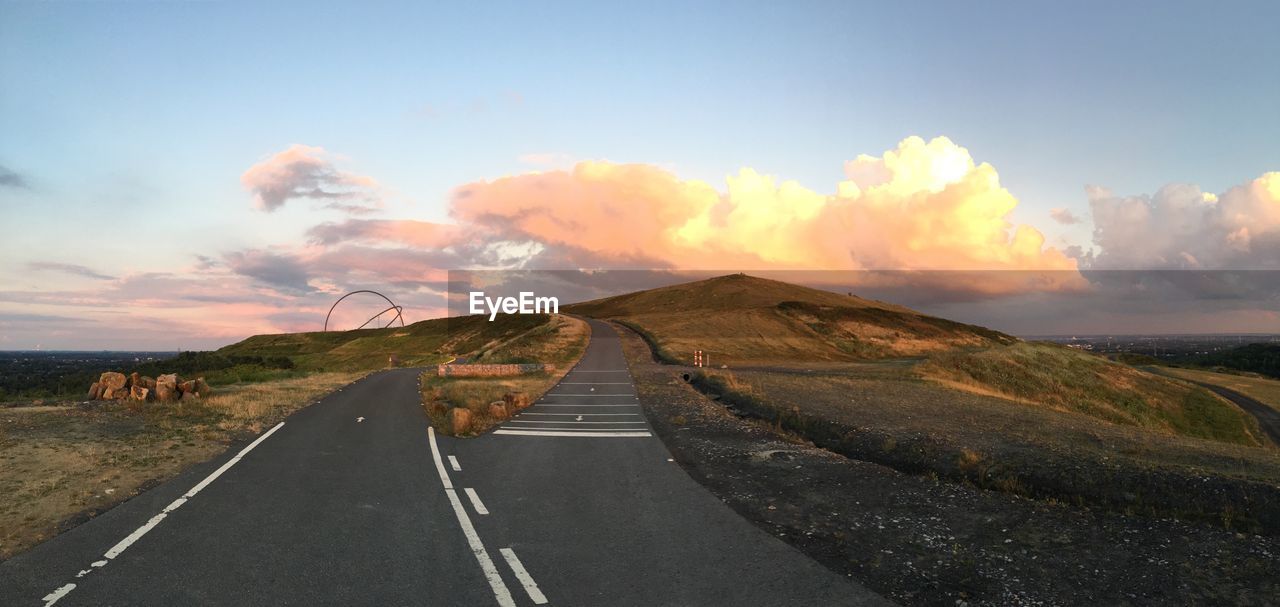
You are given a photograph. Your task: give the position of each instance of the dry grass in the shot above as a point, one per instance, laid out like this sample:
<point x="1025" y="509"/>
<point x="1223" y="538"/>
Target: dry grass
<point x="1265" y="391"/>
<point x="742" y="319"/>
<point x="1063" y="379"/>
<point x="60" y="465"/>
<point x="559" y="343"/>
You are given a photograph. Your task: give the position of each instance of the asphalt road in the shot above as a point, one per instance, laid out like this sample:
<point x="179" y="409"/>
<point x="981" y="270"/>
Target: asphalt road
<point x="354" y="501"/>
<point x="1268" y="418"/>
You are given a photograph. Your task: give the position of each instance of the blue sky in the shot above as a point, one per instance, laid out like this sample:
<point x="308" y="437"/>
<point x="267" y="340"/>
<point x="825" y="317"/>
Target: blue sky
<point x="130" y="123"/>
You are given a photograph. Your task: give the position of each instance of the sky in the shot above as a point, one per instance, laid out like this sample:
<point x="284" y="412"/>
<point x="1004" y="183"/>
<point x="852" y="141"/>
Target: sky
<point x="184" y="174"/>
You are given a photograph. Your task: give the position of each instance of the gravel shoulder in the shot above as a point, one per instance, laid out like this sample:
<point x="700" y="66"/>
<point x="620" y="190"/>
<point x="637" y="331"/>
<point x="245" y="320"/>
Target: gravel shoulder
<point x="923" y="541"/>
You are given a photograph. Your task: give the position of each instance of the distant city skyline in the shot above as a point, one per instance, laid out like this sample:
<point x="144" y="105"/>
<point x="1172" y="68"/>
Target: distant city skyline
<point x="188" y="174"/>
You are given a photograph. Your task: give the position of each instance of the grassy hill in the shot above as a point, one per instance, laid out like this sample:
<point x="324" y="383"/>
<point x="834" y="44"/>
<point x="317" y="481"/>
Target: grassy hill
<point x="1063" y="379"/>
<point x="421" y="343"/>
<point x="740" y="319"/>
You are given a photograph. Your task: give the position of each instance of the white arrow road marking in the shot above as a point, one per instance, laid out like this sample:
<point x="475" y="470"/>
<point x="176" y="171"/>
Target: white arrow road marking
<point x="578" y="419"/>
<point x="359" y="419"/>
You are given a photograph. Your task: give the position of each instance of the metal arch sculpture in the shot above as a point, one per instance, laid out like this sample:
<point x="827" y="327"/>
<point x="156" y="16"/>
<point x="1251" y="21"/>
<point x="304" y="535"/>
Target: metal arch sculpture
<point x="399" y="310"/>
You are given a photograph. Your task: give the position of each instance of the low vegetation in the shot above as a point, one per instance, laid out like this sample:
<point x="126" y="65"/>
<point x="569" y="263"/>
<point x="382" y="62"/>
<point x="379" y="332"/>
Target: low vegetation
<point x="742" y="319"/>
<point x="555" y="340"/>
<point x="884" y="413"/>
<point x="1063" y="379"/>
<point x="1261" y="389"/>
<point x="62" y="464"/>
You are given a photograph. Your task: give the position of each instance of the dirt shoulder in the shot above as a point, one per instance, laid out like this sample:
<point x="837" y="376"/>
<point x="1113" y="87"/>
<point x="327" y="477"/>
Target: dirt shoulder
<point x="923" y="541"/>
<point x="65" y="463"/>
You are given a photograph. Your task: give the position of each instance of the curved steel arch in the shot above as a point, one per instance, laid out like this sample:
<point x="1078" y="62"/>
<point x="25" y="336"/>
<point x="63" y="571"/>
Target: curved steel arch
<point x="398" y="309"/>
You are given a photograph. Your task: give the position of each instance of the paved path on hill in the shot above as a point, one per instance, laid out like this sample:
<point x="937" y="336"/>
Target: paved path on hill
<point x="354" y="501"/>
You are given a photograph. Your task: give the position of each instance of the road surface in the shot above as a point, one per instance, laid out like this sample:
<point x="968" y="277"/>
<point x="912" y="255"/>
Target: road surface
<point x="355" y="501"/>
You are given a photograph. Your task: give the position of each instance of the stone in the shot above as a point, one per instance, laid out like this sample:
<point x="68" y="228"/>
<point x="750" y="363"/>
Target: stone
<point x="112" y="385"/>
<point x="516" y="401"/>
<point x="202" y="388"/>
<point x="459" y="420"/>
<point x="134" y="378"/>
<point x="498" y="410"/>
<point x="95" y="391"/>
<point x="167" y="388"/>
<point x="139" y="393"/>
<point x="148" y="383"/>
<point x="187" y="387"/>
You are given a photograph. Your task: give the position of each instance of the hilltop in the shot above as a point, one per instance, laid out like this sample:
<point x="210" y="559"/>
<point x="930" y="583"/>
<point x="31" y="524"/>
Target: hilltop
<point x="421" y="343"/>
<point x="744" y="319"/>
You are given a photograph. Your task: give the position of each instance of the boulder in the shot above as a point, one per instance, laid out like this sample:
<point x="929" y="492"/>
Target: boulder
<point x="139" y="393"/>
<point x="202" y="388"/>
<point x="112" y="385"/>
<point x="459" y="420"/>
<point x="498" y="410"/>
<point x="134" y="378"/>
<point x="148" y="383"/>
<point x="167" y="388"/>
<point x="95" y="391"/>
<point x="515" y="401"/>
<point x="188" y="387"/>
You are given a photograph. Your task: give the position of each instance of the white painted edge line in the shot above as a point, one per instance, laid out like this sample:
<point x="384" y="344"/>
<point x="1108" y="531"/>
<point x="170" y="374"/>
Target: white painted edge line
<point x="531" y="432"/>
<point x="524" y="413"/>
<point x="589" y="395"/>
<point x="475" y="501"/>
<point x="599" y="371"/>
<point x="498" y="586"/>
<point x="568" y="427"/>
<point x="569" y="405"/>
<point x="571" y="421"/>
<point x="122" y="545"/>
<point x="453" y="463"/>
<point x="526" y="580"/>
<point x="594" y="383"/>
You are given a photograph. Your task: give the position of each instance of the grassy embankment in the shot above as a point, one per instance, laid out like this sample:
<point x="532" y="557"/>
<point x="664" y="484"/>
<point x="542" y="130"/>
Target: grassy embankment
<point x="1261" y="389"/>
<point x="556" y="340"/>
<point x="63" y="464"/>
<point x="63" y="461"/>
<point x="969" y="404"/>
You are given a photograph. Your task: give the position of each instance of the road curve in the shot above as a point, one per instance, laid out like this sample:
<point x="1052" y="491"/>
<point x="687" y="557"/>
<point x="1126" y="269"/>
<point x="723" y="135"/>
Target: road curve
<point x="354" y="501"/>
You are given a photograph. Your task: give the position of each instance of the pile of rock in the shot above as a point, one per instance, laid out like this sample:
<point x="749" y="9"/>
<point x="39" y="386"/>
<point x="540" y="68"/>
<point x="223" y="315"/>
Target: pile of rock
<point x="166" y="388"/>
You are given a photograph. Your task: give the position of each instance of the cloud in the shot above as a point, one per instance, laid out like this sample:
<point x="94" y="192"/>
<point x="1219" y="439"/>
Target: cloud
<point x="8" y="178"/>
<point x="922" y="205"/>
<point x="1064" y="216"/>
<point x="1181" y="227"/>
<point x="67" y="268"/>
<point x="306" y="172"/>
<point x="282" y="272"/>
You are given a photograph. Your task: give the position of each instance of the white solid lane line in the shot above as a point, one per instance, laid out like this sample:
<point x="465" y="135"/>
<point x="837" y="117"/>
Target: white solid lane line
<point x="475" y="501"/>
<point x="498" y="586"/>
<point x="604" y="371"/>
<point x="122" y="545"/>
<point x="526" y="580"/>
<point x="586" y="414"/>
<point x="453" y="463"/>
<point x="594" y="383"/>
<point x="566" y="427"/>
<point x="565" y="421"/>
<point x="561" y="433"/>
<point x="586" y="406"/>
<point x="586" y="395"/>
